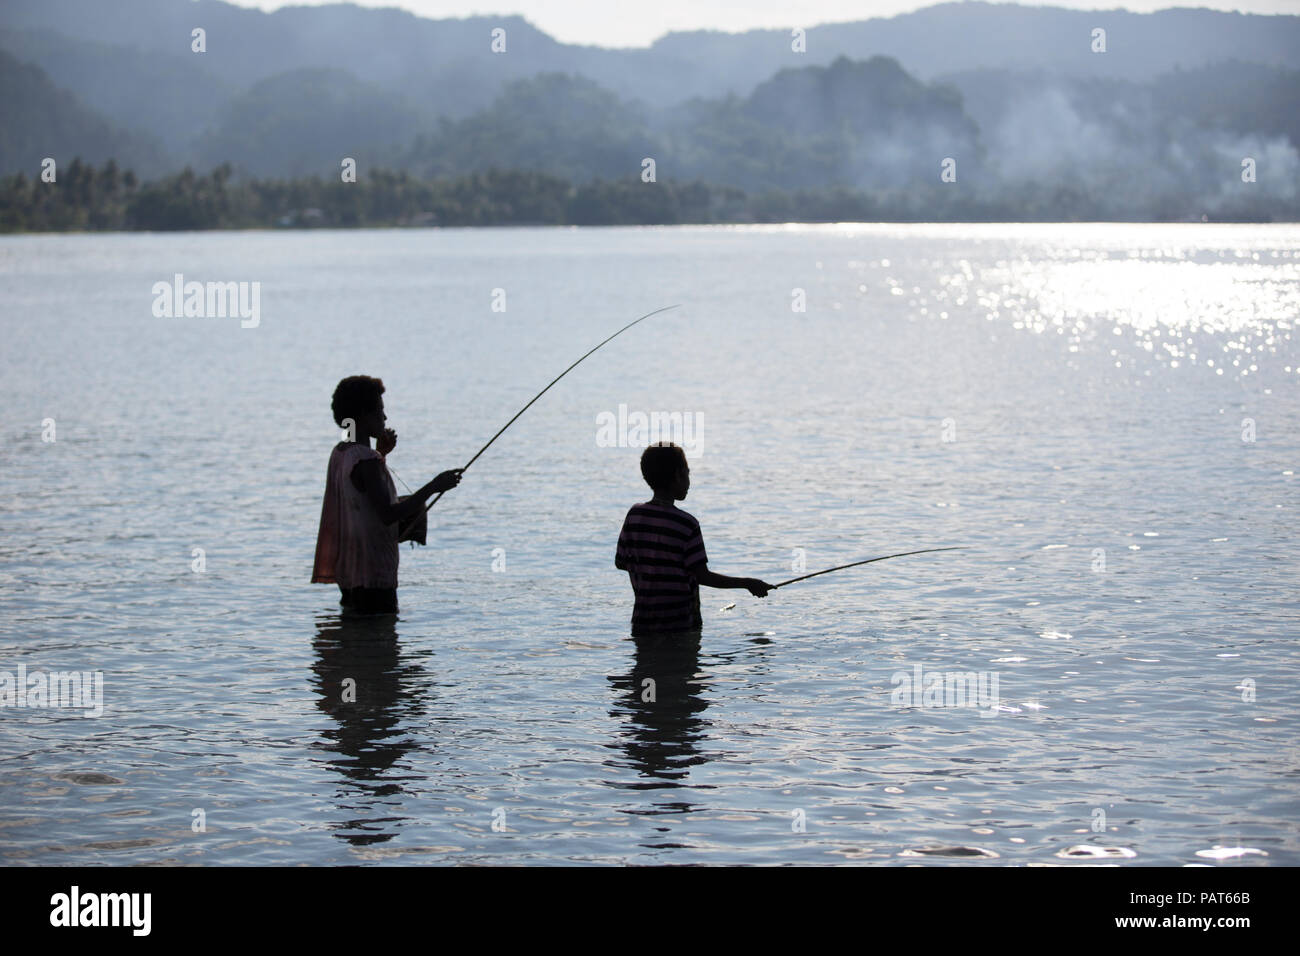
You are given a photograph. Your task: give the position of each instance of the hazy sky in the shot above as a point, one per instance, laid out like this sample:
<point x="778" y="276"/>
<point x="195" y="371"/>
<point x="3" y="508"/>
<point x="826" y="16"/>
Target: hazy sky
<point x="640" y="22"/>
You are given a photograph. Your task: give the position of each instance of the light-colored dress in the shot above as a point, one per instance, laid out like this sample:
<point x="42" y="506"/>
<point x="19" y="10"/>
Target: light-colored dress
<point x="354" y="548"/>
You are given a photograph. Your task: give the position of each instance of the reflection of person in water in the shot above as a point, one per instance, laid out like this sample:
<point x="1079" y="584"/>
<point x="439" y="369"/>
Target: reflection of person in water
<point x="359" y="674"/>
<point x="661" y="704"/>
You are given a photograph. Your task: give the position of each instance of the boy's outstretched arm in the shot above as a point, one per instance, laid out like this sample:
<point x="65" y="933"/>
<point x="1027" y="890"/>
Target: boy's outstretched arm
<point x="712" y="579"/>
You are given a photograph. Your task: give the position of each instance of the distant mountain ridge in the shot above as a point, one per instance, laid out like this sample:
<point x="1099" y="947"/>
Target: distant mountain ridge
<point x="39" y="120"/>
<point x="1013" y="94"/>
<point x="449" y="61"/>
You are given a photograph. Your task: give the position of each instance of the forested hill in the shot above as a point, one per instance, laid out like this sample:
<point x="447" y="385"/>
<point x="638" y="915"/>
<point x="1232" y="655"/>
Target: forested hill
<point x="1163" y="124"/>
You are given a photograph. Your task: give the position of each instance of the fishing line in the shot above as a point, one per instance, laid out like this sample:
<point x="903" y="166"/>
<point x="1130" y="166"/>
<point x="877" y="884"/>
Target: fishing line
<point x="397" y="476"/>
<point x="901" y="554"/>
<point x="544" y="391"/>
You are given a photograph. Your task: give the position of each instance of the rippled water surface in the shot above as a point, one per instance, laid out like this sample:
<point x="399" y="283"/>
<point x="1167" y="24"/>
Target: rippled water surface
<point x="1104" y="417"/>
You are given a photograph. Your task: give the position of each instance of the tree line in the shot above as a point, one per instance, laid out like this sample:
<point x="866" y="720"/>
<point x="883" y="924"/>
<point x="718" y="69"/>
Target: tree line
<point x="83" y="198"/>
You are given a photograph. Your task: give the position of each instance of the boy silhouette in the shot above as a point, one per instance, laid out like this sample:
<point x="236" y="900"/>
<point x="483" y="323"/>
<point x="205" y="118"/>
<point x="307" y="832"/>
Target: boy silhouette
<point x="661" y="549"/>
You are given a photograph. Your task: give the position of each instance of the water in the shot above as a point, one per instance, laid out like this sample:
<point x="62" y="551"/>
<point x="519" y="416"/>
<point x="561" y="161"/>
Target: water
<point x="1042" y="395"/>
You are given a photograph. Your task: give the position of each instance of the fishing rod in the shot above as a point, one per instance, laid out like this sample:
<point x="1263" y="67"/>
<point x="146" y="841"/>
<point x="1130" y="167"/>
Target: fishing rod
<point x="544" y="391"/>
<point x="855" y="564"/>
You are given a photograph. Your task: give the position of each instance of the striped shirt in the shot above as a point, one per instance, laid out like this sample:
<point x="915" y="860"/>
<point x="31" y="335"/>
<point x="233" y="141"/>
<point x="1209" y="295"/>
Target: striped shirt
<point x="658" y="547"/>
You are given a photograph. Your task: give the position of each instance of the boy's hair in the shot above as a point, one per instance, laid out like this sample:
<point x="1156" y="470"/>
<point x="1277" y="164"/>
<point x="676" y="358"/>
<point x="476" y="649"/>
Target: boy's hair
<point x="660" y="463"/>
<point x="354" y="396"/>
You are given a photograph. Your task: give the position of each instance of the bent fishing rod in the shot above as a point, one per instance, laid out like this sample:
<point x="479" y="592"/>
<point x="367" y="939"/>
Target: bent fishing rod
<point x="544" y="391"/>
<point x="855" y="564"/>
